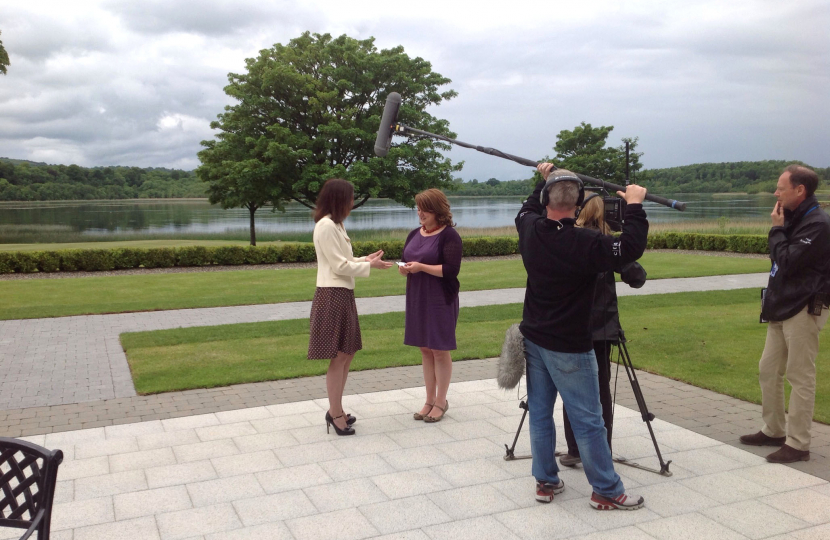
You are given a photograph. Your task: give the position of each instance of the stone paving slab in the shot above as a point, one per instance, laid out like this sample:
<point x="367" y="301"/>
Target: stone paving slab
<point x="719" y="417"/>
<point x="199" y="477"/>
<point x="67" y="360"/>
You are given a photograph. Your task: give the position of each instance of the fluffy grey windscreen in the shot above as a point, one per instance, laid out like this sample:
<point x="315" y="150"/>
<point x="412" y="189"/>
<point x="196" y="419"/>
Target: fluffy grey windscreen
<point x="512" y="359"/>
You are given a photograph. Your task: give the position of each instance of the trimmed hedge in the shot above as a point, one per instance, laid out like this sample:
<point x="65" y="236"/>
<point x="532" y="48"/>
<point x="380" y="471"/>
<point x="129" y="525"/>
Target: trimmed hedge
<point x="94" y="260"/>
<point x="710" y="242"/>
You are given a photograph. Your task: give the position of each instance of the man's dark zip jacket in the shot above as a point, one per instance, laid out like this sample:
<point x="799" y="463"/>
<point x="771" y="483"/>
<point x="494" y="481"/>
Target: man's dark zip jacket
<point x="562" y="262"/>
<point x="800" y="254"/>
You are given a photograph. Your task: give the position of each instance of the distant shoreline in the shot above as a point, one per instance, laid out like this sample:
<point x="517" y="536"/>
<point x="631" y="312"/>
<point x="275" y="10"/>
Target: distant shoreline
<point x="450" y="195"/>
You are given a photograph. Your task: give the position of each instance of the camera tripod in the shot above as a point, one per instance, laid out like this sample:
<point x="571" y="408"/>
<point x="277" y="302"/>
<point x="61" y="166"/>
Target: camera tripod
<point x="624" y="359"/>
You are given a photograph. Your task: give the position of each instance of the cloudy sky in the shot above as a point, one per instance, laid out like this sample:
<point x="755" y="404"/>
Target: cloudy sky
<point x="128" y="82"/>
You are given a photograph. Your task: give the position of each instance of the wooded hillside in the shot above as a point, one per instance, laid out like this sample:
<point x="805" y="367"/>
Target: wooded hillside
<point x="31" y="181"/>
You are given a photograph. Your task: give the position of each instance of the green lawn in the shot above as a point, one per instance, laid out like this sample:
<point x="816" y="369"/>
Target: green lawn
<point x="35" y="298"/>
<point x="711" y="340"/>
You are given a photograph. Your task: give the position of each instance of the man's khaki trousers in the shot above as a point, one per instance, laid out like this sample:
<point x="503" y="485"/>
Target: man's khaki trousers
<point x="790" y="350"/>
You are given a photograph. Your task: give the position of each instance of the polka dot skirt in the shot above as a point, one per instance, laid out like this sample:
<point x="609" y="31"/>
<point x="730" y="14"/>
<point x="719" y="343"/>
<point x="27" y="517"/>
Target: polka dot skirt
<point x="334" y="324"/>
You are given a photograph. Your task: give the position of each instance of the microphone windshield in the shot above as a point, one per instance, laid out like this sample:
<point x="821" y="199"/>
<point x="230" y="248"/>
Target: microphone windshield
<point x="387" y="124"/>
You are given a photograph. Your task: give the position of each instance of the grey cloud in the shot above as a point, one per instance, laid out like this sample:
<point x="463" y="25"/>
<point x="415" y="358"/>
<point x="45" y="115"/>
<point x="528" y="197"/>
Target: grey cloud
<point x="686" y="104"/>
<point x="692" y="92"/>
<point x="208" y="17"/>
<point x="38" y="37"/>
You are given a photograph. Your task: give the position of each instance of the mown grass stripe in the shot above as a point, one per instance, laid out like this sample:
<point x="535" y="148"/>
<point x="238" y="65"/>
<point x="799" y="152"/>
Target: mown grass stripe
<point x="708" y="339"/>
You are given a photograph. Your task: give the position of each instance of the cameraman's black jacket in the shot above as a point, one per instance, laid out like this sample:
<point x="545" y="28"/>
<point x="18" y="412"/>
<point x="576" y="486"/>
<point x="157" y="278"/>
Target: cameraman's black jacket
<point x="800" y="254"/>
<point x="562" y="263"/>
<point x="605" y="316"/>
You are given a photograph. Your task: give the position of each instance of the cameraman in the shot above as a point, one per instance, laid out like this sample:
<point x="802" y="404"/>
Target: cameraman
<point x="562" y="263"/>
<point x="605" y="320"/>
<point x="795" y="305"/>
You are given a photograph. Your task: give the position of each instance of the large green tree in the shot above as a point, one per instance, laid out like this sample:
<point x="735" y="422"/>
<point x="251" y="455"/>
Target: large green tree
<point x="584" y="150"/>
<point x="309" y="111"/>
<point x="4" y="59"/>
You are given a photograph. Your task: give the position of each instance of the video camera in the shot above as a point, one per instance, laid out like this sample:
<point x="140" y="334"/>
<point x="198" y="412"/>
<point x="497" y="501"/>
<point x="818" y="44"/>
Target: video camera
<point x="614" y="207"/>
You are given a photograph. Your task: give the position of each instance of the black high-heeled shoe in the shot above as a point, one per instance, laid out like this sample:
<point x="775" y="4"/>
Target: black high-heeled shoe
<point x="330" y="423"/>
<point x="350" y="419"/>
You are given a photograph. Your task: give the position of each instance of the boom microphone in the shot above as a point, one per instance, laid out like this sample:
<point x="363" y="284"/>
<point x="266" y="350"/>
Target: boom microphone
<point x="387" y="124"/>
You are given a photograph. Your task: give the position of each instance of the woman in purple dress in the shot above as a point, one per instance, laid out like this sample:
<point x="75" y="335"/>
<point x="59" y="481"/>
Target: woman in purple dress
<point x="432" y="254"/>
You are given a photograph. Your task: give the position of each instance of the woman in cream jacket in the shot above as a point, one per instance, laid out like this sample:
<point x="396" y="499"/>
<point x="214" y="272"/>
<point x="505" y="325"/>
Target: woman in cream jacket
<point x="335" y="329"/>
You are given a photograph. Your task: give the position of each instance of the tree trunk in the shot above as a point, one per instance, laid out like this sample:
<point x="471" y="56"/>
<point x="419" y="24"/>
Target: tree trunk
<point x="252" y="208"/>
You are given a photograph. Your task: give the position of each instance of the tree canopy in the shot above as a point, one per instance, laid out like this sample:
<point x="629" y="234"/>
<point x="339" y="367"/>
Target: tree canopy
<point x="310" y="110"/>
<point x="4" y="58"/>
<point x="583" y="150"/>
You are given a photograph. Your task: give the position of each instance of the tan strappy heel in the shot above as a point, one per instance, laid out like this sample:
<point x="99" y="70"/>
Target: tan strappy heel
<point x="433" y="419"/>
<point x="419" y="416"/>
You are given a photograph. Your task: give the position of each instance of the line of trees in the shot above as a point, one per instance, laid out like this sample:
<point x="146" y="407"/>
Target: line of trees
<point x="741" y="176"/>
<point x="30" y="181"/>
<point x="493" y="188"/>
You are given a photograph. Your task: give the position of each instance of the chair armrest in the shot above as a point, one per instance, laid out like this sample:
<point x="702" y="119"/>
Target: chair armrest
<point x="35" y="525"/>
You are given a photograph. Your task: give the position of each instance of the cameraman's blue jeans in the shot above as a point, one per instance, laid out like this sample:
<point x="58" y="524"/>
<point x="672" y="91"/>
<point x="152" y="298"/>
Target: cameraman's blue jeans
<point x="574" y="375"/>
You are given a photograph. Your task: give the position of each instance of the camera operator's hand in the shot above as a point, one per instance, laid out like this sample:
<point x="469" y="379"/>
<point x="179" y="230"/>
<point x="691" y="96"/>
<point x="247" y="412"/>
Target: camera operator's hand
<point x="375" y="261"/>
<point x="544" y="169"/>
<point x="633" y="194"/>
<point x="777" y="215"/>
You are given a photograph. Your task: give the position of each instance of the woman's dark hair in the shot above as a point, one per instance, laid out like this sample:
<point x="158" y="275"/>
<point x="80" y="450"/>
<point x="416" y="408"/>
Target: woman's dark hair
<point x="336" y="198"/>
<point x="435" y="202"/>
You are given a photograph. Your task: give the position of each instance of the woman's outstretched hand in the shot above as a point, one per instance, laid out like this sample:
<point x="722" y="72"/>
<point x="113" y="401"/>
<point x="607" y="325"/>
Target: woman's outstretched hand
<point x="375" y="261"/>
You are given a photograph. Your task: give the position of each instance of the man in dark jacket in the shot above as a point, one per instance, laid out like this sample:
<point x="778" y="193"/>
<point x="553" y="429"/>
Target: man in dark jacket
<point x="796" y="305"/>
<point x="562" y="263"/>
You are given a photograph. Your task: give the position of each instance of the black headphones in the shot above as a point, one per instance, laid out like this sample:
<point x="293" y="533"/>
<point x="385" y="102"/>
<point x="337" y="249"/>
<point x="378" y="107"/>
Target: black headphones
<point x="544" y="198"/>
<point x="588" y="198"/>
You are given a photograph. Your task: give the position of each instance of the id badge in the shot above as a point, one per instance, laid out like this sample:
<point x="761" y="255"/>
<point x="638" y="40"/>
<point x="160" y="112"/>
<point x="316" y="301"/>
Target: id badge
<point x="761" y="318"/>
<point x="774" y="269"/>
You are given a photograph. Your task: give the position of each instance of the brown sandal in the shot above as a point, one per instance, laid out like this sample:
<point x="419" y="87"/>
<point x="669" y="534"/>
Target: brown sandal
<point x="432" y="419"/>
<point x="419" y="416"/>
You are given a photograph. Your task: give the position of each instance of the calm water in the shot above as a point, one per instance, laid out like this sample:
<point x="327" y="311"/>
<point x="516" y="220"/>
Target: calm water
<point x="200" y="217"/>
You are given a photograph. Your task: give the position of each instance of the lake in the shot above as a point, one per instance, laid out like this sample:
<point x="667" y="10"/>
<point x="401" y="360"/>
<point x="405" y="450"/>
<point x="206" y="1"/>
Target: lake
<point x="198" y="216"/>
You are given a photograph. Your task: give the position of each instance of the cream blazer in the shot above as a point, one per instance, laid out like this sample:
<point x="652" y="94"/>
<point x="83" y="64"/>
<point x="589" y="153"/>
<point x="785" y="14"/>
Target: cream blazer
<point x="336" y="263"/>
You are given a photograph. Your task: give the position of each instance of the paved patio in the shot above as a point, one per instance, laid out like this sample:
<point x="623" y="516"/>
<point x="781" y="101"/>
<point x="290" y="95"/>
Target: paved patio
<point x="272" y="472"/>
<point x="254" y="461"/>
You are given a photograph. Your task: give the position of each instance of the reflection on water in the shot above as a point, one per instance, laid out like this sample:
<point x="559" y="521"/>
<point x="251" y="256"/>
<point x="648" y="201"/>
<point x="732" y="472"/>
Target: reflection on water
<point x="201" y="217"/>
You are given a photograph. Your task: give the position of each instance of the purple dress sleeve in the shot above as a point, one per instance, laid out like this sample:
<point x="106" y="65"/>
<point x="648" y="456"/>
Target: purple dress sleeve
<point x="452" y="255"/>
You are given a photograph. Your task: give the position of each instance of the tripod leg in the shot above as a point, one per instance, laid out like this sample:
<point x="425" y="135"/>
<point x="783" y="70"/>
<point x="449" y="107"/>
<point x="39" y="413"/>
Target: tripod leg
<point x="510" y="456"/>
<point x="644" y="412"/>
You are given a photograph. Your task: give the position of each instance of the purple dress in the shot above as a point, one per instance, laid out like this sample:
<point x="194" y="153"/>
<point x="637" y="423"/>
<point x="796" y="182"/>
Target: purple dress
<point x="430" y="317"/>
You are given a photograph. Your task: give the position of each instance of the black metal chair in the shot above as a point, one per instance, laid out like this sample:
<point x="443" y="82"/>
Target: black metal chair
<point x="28" y="474"/>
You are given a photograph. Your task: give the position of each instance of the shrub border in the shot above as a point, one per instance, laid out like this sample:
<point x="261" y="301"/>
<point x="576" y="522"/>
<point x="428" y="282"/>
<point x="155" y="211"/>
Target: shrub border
<point x="97" y="260"/>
